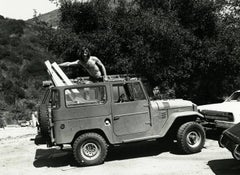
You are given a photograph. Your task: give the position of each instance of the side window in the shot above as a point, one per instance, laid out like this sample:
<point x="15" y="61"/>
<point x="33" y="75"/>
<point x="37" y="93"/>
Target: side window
<point x="136" y="91"/>
<point x="54" y="100"/>
<point x="119" y="94"/>
<point x="127" y="92"/>
<point x="234" y="97"/>
<point x="85" y="96"/>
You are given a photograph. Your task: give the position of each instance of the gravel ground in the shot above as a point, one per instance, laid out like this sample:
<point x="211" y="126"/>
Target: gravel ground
<point x="19" y="156"/>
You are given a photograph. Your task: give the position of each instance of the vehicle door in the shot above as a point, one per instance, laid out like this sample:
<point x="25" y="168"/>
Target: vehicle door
<point x="130" y="109"/>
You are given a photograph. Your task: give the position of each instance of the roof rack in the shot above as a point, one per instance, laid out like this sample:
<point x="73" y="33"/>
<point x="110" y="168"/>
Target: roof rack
<point x="117" y="77"/>
<point x="86" y="79"/>
<point x="59" y="78"/>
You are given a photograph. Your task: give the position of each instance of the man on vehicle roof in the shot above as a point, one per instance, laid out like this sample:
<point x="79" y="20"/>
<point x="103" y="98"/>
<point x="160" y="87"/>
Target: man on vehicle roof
<point x="92" y="64"/>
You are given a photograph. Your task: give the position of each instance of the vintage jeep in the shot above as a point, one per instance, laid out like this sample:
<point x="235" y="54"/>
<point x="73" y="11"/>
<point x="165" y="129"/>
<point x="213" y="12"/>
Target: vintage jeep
<point x="92" y="116"/>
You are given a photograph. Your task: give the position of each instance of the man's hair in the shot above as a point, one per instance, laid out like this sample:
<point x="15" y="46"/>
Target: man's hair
<point x="82" y="52"/>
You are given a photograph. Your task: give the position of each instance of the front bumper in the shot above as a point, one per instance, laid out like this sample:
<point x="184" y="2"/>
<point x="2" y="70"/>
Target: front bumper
<point x="224" y="124"/>
<point x="218" y="124"/>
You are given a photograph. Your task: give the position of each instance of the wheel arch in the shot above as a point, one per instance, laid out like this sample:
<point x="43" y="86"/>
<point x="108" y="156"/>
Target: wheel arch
<point x="190" y="137"/>
<point x="181" y="119"/>
<point x="98" y="131"/>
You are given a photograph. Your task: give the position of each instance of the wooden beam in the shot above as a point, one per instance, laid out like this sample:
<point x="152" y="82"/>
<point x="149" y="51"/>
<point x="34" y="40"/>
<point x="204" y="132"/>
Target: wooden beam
<point x="61" y="74"/>
<point x="55" y="78"/>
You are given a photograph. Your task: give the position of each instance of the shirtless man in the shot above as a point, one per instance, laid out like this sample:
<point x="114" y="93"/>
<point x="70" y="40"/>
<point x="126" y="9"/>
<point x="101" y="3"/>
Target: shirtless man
<point x="92" y="64"/>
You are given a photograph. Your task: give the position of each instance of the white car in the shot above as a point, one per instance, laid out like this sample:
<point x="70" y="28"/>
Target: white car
<point x="222" y="115"/>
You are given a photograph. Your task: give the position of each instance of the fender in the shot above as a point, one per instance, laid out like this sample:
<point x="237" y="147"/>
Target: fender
<point x="185" y="113"/>
<point x="176" y="115"/>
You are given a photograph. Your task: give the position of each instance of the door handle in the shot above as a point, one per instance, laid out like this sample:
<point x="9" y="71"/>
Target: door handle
<point x="146" y="105"/>
<point x="116" y="118"/>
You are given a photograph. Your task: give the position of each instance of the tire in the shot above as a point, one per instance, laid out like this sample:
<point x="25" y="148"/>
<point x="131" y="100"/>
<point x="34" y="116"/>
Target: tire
<point x="44" y="124"/>
<point x="90" y="149"/>
<point x="190" y="137"/>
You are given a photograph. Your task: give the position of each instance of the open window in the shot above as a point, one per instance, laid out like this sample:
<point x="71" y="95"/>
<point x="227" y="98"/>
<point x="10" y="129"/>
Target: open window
<point x="128" y="92"/>
<point x="55" y="99"/>
<point x="136" y="91"/>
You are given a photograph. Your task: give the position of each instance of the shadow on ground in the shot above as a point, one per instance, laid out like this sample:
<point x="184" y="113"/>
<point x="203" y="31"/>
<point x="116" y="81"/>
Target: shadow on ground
<point x="141" y="149"/>
<point x="225" y="166"/>
<point x="213" y="134"/>
<point x="53" y="158"/>
<point x="57" y="158"/>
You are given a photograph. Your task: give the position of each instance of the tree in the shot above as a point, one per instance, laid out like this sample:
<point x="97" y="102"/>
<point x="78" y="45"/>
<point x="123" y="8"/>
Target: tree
<point x="186" y="46"/>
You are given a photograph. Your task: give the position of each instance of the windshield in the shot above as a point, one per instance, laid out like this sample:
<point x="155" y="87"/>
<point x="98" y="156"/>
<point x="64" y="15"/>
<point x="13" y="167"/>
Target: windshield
<point x="234" y="97"/>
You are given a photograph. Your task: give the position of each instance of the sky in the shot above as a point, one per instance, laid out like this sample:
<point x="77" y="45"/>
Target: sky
<point x="24" y="9"/>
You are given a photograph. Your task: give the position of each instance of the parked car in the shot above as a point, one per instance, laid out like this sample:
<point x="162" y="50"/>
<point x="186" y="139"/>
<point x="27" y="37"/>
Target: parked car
<point x="24" y="123"/>
<point x="230" y="139"/>
<point x="92" y="116"/>
<point x="222" y="115"/>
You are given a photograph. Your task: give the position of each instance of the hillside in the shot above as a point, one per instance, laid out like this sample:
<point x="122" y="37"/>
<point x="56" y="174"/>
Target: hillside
<point x="51" y="18"/>
<point x="21" y="68"/>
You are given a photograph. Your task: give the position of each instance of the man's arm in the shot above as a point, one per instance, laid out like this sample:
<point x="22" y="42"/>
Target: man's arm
<point x="101" y="66"/>
<point x="66" y="64"/>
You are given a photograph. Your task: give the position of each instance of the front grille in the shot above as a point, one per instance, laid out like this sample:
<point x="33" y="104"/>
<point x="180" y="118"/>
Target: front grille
<point x="218" y="115"/>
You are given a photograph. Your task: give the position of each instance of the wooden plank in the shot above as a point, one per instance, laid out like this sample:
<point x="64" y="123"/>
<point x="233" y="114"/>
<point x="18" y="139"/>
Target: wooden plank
<point x="61" y="74"/>
<point x="55" y="78"/>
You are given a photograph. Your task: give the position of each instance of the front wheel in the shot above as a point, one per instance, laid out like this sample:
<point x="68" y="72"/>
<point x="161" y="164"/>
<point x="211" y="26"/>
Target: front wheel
<point x="191" y="137"/>
<point x="90" y="149"/>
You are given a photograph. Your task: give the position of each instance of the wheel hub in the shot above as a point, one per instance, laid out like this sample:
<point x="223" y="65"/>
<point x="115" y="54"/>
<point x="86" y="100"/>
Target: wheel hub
<point x="90" y="150"/>
<point x="193" y="139"/>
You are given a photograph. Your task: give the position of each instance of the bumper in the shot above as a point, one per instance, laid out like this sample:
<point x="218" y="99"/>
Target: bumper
<point x="219" y="124"/>
<point x="224" y="124"/>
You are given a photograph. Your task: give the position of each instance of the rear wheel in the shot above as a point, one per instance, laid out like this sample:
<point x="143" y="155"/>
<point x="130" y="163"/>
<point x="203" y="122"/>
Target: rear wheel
<point x="90" y="149"/>
<point x="191" y="137"/>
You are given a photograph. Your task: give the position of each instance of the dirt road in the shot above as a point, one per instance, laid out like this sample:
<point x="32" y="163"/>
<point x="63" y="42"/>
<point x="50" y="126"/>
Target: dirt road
<point x="19" y="156"/>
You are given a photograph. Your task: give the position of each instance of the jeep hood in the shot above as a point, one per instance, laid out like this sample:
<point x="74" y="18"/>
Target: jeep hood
<point x="166" y="104"/>
<point x="225" y="107"/>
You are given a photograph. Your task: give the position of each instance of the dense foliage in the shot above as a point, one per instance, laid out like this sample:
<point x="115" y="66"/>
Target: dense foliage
<point x="21" y="69"/>
<point x="185" y="46"/>
<point x="188" y="48"/>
